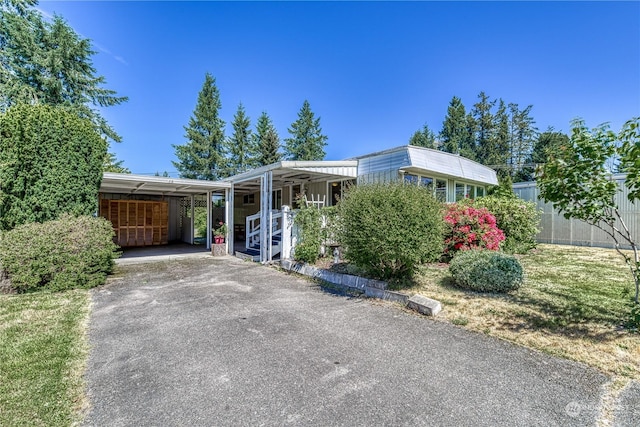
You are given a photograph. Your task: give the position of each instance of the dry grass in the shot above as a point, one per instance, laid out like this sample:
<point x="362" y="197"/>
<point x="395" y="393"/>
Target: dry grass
<point x="574" y="304"/>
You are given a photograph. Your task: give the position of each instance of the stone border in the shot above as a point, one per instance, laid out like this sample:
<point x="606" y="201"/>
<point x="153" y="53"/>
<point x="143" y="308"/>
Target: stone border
<point x="369" y="287"/>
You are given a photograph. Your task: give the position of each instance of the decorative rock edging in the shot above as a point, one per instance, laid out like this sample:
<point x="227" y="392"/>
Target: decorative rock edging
<point x="369" y="287"/>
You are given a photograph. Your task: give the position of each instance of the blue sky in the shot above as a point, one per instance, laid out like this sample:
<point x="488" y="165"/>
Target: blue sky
<point x="373" y="71"/>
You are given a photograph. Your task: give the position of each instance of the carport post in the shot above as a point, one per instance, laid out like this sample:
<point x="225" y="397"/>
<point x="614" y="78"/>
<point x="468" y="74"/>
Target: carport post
<point x="193" y="220"/>
<point x="209" y="219"/>
<point x="228" y="206"/>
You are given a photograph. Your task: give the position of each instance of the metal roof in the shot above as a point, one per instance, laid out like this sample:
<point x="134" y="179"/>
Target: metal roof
<point x="123" y="183"/>
<point x="422" y="160"/>
<point x="296" y="172"/>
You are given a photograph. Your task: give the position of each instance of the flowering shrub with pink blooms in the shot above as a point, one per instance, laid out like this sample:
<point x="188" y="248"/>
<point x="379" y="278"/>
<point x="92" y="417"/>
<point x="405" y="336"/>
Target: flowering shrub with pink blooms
<point x="468" y="227"/>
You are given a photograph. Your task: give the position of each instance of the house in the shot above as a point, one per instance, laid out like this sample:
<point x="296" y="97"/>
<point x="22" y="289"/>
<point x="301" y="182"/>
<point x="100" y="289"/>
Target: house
<point x="260" y="194"/>
<point x="155" y="210"/>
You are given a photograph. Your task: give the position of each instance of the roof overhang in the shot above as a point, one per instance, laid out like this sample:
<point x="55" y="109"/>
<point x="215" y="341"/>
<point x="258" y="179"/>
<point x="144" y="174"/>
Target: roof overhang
<point x="296" y="172"/>
<point x="121" y="183"/>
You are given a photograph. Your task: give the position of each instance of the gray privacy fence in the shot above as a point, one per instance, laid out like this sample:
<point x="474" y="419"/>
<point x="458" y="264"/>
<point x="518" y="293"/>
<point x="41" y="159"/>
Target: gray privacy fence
<point x="557" y="229"/>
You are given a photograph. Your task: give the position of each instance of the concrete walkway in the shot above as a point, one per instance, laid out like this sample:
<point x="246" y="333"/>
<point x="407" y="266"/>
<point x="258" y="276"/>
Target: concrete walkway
<point x="143" y="255"/>
<point x="211" y="341"/>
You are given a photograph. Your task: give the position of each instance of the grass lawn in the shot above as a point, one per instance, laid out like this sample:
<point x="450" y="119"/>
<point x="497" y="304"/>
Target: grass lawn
<point x="573" y="304"/>
<point x="42" y="358"/>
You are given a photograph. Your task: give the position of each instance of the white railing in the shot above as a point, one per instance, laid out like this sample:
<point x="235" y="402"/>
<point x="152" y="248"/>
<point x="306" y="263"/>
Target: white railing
<point x="253" y="226"/>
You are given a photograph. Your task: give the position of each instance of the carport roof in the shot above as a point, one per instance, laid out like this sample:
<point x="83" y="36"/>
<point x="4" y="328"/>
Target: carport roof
<point x="296" y="172"/>
<point x="122" y="183"/>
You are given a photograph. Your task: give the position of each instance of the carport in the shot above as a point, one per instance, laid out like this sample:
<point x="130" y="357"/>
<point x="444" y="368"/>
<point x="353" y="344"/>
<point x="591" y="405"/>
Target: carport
<point x="154" y="210"/>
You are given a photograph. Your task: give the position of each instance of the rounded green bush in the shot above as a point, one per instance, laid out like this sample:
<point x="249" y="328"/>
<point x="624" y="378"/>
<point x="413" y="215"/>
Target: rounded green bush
<point x="388" y="230"/>
<point x="70" y="252"/>
<point x="486" y="271"/>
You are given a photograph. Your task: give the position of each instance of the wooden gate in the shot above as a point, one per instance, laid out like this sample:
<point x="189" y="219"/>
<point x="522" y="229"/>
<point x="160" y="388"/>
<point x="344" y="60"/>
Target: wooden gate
<point x="137" y="222"/>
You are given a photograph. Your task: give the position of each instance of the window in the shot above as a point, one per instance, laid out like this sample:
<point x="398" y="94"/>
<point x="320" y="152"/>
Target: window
<point x="411" y="179"/>
<point x="249" y="199"/>
<point x="441" y="190"/>
<point x="479" y="191"/>
<point x="427" y="182"/>
<point x="460" y="191"/>
<point x="470" y="192"/>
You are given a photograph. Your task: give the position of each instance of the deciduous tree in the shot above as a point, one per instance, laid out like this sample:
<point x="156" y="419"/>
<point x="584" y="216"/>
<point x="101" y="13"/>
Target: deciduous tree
<point x="577" y="181"/>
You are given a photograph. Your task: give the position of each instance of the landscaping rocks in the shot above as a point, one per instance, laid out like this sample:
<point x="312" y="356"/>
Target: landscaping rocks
<point x="424" y="305"/>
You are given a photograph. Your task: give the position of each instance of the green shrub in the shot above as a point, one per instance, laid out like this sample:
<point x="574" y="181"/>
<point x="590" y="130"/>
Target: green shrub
<point x="50" y="163"/>
<point x="486" y="271"/>
<point x="387" y="230"/>
<point x="518" y="219"/>
<point x="70" y="252"/>
<point x="312" y="233"/>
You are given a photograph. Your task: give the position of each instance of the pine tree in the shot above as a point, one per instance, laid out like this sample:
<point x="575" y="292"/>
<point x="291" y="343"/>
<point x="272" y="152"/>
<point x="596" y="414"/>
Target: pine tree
<point x="454" y="134"/>
<point x="424" y="137"/>
<point x="203" y="155"/>
<point x="242" y="147"/>
<point x="267" y="141"/>
<point x="307" y="141"/>
<point x="468" y="147"/>
<point x="485" y="141"/>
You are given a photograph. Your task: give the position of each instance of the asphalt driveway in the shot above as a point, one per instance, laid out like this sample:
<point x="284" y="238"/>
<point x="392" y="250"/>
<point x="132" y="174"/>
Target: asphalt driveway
<point x="216" y="342"/>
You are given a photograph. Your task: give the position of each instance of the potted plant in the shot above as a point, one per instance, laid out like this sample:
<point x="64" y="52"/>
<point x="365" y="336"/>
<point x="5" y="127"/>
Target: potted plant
<point x="220" y="233"/>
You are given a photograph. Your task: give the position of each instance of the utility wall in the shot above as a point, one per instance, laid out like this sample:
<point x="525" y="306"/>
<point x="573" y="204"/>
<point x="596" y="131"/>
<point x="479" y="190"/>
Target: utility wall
<point x="556" y="229"/>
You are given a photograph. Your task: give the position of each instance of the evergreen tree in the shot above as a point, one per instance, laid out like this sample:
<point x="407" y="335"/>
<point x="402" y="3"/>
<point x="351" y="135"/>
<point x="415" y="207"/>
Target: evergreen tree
<point x="424" y="137"/>
<point x="307" y="141"/>
<point x="485" y="141"/>
<point x="51" y="164"/>
<point x="545" y="145"/>
<point x="454" y="133"/>
<point x="203" y="155"/>
<point x="468" y="147"/>
<point x="522" y="134"/>
<point x="111" y="164"/>
<point x="49" y="63"/>
<point x="498" y="158"/>
<point x="267" y="141"/>
<point x="242" y="147"/>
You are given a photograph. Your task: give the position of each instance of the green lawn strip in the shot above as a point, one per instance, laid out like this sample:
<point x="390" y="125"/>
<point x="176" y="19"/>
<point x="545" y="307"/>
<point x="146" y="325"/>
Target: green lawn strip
<point x="573" y="304"/>
<point x="42" y="358"/>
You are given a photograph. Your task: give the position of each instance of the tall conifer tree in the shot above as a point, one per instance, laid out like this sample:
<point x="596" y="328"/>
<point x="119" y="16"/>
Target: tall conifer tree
<point x="485" y="141"/>
<point x="522" y="134"/>
<point x="424" y="137"/>
<point x="203" y="155"/>
<point x="267" y="141"/>
<point x="454" y="128"/>
<point x="307" y="141"/>
<point x="242" y="150"/>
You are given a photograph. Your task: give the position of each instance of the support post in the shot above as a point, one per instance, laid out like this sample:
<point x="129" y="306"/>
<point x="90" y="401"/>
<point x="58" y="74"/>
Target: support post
<point x="287" y="229"/>
<point x="228" y="205"/>
<point x="209" y="220"/>
<point x="193" y="219"/>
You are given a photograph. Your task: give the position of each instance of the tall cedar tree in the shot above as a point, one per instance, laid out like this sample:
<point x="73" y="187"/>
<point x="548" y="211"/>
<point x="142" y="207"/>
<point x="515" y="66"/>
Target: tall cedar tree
<point x="522" y="135"/>
<point x="485" y="141"/>
<point x="203" y="155"/>
<point x="51" y="164"/>
<point x="49" y="63"/>
<point x="267" y="141"/>
<point x="307" y="141"/>
<point x="242" y="147"/>
<point x="424" y="137"/>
